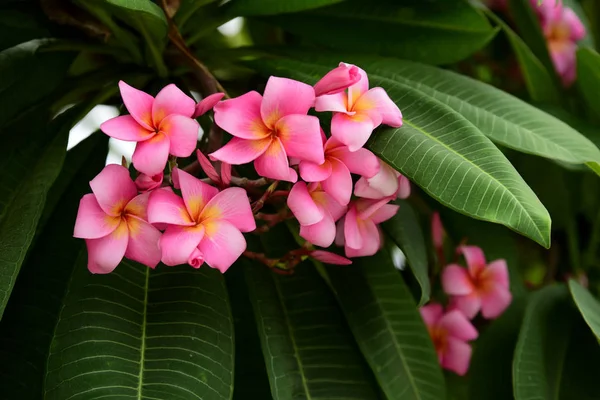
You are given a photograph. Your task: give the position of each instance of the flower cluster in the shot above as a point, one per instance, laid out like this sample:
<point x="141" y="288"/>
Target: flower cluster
<point x="479" y="287"/>
<point x="176" y="218"/>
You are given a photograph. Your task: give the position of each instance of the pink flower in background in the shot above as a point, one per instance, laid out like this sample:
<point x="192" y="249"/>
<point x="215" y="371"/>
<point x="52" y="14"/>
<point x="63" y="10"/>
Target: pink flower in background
<point x="480" y="287"/>
<point x="387" y="182"/>
<point x="337" y="80"/>
<point x="204" y="226"/>
<point x="334" y="173"/>
<point x="437" y="232"/>
<point x="270" y="128"/>
<point x="450" y="333"/>
<point x="358" y="230"/>
<point x="207" y="104"/>
<point x="329" y="258"/>
<point x="146" y="183"/>
<point x="160" y="126"/>
<point x="316" y="212"/>
<point x="112" y="221"/>
<point x="358" y="112"/>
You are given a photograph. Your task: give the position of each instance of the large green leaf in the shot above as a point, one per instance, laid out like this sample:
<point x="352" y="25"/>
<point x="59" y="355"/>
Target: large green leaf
<point x="405" y="230"/>
<point x="435" y="33"/>
<point x="438" y="148"/>
<point x="588" y="306"/>
<point x="144" y="334"/>
<point x="539" y="356"/>
<point x="388" y="328"/>
<point x="307" y="348"/>
<point x="270" y="7"/>
<point x="143" y="15"/>
<point x="588" y="79"/>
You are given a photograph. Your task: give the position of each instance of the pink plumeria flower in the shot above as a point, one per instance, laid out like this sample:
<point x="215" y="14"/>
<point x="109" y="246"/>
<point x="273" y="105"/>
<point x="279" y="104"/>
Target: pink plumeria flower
<point x="316" y="212"/>
<point x="337" y="80"/>
<point x="358" y="112"/>
<point x="160" y="126"/>
<point x="112" y="220"/>
<point x="270" y="128"/>
<point x="329" y="258"/>
<point x="205" y="225"/>
<point x="480" y="287"/>
<point x="450" y="333"/>
<point x="387" y="182"/>
<point x="358" y="232"/>
<point x="334" y="173"/>
<point x="207" y="104"/>
<point x="146" y="183"/>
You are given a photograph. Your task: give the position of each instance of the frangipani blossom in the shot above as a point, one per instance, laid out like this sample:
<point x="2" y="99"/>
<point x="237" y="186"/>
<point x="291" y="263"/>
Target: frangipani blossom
<point x="223" y="179"/>
<point x="334" y="173"/>
<point x="358" y="112"/>
<point x="270" y="128"/>
<point x="207" y="104"/>
<point x="387" y="182"/>
<point x="204" y="226"/>
<point x="160" y="126"/>
<point x="337" y="80"/>
<point x="316" y="212"/>
<point x="358" y="230"/>
<point x="480" y="287"/>
<point x="450" y="333"/>
<point x="112" y="220"/>
<point x="146" y="183"/>
<point x="329" y="258"/>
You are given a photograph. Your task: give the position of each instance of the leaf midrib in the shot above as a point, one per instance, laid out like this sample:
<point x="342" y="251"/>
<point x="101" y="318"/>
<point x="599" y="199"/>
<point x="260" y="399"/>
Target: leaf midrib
<point x="144" y="326"/>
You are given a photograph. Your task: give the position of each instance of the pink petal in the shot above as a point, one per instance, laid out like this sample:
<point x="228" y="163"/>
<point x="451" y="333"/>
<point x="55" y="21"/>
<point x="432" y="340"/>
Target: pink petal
<point x="139" y="104"/>
<point x="494" y="301"/>
<point x="384" y="213"/>
<point x="301" y="137"/>
<point x="334" y="102"/>
<point x="328" y="203"/>
<point x="225" y="173"/>
<point x="457" y="356"/>
<point x="138" y="206"/>
<point x="337" y="80"/>
<point x="165" y="207"/>
<point x="150" y="157"/>
<point x="563" y="54"/>
<point x="113" y="189"/>
<point x="320" y="234"/>
<point x="431" y="314"/>
<point x="196" y="259"/>
<point x="359" y="88"/>
<point x="367" y="207"/>
<point x="339" y="183"/>
<point x="371" y="240"/>
<point x="496" y="273"/>
<point x="361" y="162"/>
<point x="207" y="167"/>
<point x="125" y="127"/>
<point x="576" y="27"/>
<point x="182" y="132"/>
<point x="146" y="183"/>
<point x="92" y="222"/>
<point x="241" y="151"/>
<point x="231" y="205"/>
<point x="177" y="243"/>
<point x="474" y="257"/>
<point x="437" y="231"/>
<point x="352" y="130"/>
<point x="403" y="187"/>
<point x="143" y="242"/>
<point x="469" y="304"/>
<point x="312" y="172"/>
<point x="222" y="245"/>
<point x="171" y="100"/>
<point x="339" y="232"/>
<point x="329" y="258"/>
<point x="456" y="280"/>
<point x="196" y="194"/>
<point x="283" y="97"/>
<point x="207" y="104"/>
<point x="352" y="234"/>
<point x="104" y="254"/>
<point x="378" y="105"/>
<point x="383" y="184"/>
<point x="241" y="117"/>
<point x="273" y="163"/>
<point x="458" y="326"/>
<point x="303" y="206"/>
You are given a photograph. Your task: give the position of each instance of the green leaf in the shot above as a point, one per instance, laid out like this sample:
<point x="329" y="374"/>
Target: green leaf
<point x="307" y="348"/>
<point x="540" y="83"/>
<point x="434" y="33"/>
<point x="143" y="15"/>
<point x="388" y="328"/>
<point x="140" y="333"/>
<point x="587" y="305"/>
<point x="539" y="356"/>
<point x="405" y="230"/>
<point x="271" y="7"/>
<point x="588" y="79"/>
<point x="29" y="75"/>
<point x="440" y="149"/>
